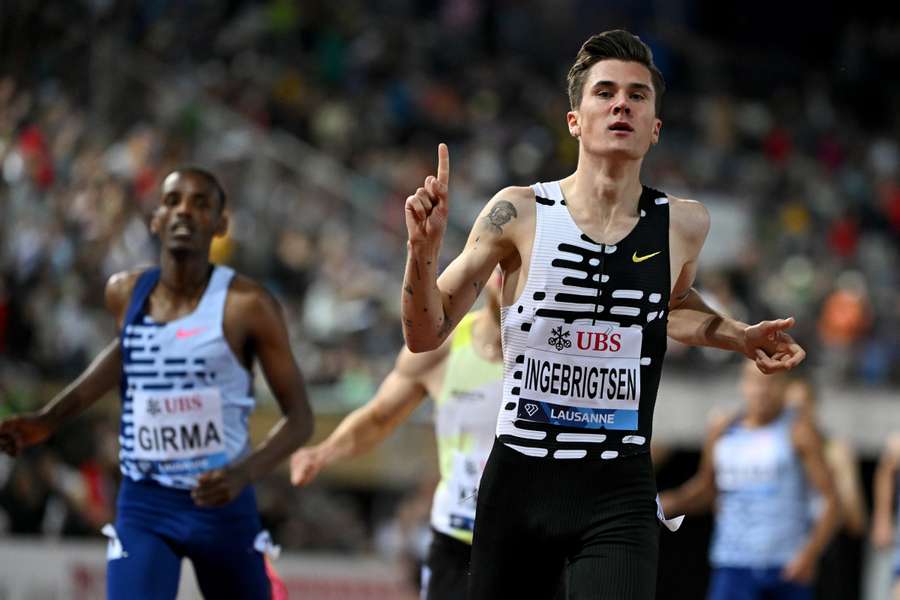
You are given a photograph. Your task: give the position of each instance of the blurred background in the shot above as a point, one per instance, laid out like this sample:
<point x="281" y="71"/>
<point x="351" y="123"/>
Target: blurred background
<point x="320" y="117"/>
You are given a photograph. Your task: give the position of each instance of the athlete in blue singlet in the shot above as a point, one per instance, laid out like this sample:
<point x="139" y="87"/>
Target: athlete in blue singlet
<point x="760" y="469"/>
<point x="190" y="332"/>
<point x="885" y="522"/>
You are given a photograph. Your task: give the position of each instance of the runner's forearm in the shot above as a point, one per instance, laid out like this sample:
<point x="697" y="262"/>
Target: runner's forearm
<point x="358" y="433"/>
<point x="824" y="527"/>
<point x="695" y="323"/>
<point x="692" y="498"/>
<point x="883" y="492"/>
<point x="291" y="432"/>
<point x="424" y="315"/>
<point x="99" y="377"/>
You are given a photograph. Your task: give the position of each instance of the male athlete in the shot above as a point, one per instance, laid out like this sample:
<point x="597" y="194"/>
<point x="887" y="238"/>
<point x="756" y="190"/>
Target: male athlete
<point x="597" y="270"/>
<point x="760" y="469"/>
<point x="464" y="377"/>
<point x="189" y="334"/>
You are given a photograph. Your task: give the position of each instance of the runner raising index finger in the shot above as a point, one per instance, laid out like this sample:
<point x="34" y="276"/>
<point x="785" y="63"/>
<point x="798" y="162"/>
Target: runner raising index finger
<point x="597" y="270"/>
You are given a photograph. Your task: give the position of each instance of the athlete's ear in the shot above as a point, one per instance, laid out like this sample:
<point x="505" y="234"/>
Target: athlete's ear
<point x="654" y="137"/>
<point x="155" y="221"/>
<point x="572" y="121"/>
<point x="222" y="225"/>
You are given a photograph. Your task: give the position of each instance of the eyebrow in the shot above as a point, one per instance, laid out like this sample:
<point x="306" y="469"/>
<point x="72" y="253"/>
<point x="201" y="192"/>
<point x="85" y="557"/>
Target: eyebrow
<point x="634" y="85"/>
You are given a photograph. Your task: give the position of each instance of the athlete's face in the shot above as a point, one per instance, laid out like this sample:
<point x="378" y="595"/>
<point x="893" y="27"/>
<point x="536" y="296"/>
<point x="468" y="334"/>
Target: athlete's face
<point x="763" y="393"/>
<point x="617" y="115"/>
<point x="189" y="215"/>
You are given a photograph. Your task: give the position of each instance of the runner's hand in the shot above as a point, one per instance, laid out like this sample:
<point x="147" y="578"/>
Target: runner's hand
<point x="426" y="210"/>
<point x="771" y="348"/>
<point x="306" y="463"/>
<point x="801" y="569"/>
<point x="23" y="431"/>
<point x="219" y="486"/>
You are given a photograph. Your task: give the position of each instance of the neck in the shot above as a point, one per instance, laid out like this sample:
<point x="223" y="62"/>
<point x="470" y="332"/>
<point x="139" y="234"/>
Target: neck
<point x="183" y="275"/>
<point x="760" y="420"/>
<point x="605" y="183"/>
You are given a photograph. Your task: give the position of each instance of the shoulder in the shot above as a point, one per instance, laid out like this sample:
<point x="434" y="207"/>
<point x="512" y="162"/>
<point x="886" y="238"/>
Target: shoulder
<point x="718" y="422"/>
<point x="506" y="217"/>
<point x="515" y="194"/>
<point x="251" y="302"/>
<point x="688" y="218"/>
<point x="511" y="202"/>
<point x="250" y="298"/>
<point x="118" y="290"/>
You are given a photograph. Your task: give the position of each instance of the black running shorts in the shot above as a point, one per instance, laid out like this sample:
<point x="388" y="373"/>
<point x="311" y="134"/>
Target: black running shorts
<point x="593" y="522"/>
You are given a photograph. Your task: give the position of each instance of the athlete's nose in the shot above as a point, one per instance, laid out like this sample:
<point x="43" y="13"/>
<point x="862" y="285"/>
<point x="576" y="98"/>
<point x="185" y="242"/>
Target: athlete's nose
<point x="183" y="208"/>
<point x="621" y="107"/>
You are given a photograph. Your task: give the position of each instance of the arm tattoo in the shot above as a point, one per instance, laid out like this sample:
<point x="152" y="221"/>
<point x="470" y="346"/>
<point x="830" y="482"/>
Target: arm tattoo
<point x="501" y="214"/>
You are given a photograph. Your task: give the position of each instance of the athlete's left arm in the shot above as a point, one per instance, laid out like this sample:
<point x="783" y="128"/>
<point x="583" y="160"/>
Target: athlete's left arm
<point x="692" y="321"/>
<point x="808" y="443"/>
<point x="267" y="336"/>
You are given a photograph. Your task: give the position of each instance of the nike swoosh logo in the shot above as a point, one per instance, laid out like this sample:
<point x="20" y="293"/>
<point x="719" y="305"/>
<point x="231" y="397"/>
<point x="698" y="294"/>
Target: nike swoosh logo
<point x="638" y="259"/>
<point x="186" y="333"/>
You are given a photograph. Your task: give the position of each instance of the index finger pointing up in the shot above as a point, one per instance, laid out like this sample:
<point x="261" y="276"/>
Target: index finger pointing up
<point x="443" y="170"/>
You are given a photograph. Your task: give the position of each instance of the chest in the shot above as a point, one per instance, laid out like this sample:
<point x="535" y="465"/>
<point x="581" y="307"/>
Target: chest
<point x="198" y="325"/>
<point x="746" y="459"/>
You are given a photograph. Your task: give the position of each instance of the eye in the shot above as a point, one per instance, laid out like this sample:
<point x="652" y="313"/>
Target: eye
<point x="170" y="200"/>
<point x="637" y="96"/>
<point x="604" y="94"/>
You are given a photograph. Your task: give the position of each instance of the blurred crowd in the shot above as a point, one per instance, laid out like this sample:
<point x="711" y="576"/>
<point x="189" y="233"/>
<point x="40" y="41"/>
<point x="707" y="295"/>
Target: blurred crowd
<point x="321" y="117"/>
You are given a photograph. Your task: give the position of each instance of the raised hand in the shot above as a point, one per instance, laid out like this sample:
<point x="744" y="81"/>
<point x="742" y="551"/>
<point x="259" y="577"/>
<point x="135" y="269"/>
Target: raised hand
<point x="18" y="433"/>
<point x="771" y="348"/>
<point x="426" y="210"/>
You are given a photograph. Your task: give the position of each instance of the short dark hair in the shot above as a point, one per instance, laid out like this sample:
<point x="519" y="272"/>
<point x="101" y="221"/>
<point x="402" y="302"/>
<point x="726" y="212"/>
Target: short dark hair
<point x="616" y="44"/>
<point x="210" y="179"/>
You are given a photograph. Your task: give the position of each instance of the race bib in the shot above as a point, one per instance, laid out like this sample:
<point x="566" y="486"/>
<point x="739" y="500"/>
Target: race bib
<point x="467" y="424"/>
<point x="582" y="375"/>
<point x="749" y="464"/>
<point x="178" y="425"/>
<point x="463" y="487"/>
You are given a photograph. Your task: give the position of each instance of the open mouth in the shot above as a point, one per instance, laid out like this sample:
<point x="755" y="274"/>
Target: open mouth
<point x="621" y="126"/>
<point x="181" y="230"/>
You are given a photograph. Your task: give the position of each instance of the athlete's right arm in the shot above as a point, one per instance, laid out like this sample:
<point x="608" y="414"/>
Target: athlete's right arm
<point x="397" y="397"/>
<point x="102" y="375"/>
<point x="885" y="482"/>
<point x="697" y="494"/>
<point x="432" y="306"/>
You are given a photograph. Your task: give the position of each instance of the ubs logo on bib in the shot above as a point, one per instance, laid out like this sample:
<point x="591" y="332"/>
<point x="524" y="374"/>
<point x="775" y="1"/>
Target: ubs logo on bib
<point x="599" y="341"/>
<point x="559" y="339"/>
